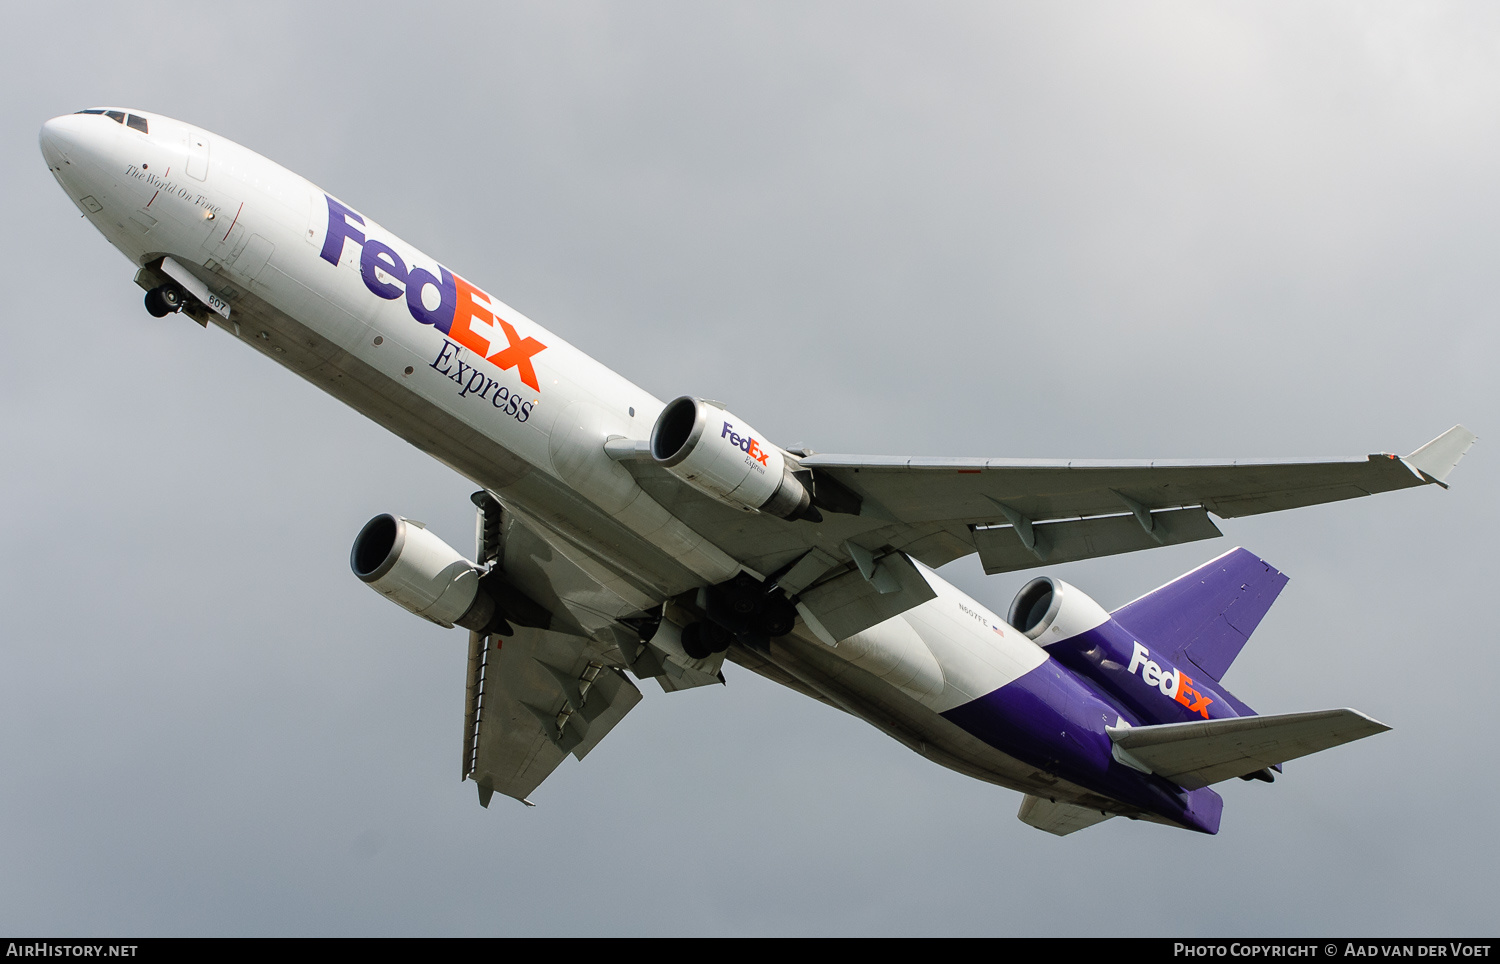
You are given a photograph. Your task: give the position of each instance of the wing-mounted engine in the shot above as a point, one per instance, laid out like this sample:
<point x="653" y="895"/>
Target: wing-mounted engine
<point x="717" y="453"/>
<point x="421" y="573"/>
<point x="403" y="561"/>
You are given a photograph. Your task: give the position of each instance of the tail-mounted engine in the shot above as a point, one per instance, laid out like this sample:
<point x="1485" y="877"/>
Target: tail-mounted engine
<point x="715" y="452"/>
<point x="1048" y="610"/>
<point x="1148" y="673"/>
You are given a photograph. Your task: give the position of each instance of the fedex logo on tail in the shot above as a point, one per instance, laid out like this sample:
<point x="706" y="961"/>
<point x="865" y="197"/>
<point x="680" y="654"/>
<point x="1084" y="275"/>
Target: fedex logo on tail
<point x="1174" y="684"/>
<point x="463" y="312"/>
<point x="745" y="443"/>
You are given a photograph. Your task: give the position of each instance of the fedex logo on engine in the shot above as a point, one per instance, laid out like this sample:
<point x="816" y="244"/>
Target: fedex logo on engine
<point x="745" y="444"/>
<point x="463" y="312"/>
<point x="1174" y="684"/>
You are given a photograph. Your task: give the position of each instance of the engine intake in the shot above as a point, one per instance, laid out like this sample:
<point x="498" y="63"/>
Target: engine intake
<point x="715" y="452"/>
<point x="1048" y="610"/>
<point x="421" y="573"/>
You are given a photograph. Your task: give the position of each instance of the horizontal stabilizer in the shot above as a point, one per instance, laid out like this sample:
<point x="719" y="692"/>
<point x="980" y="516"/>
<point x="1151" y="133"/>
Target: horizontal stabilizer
<point x="1059" y="818"/>
<point x="1438" y="457"/>
<point x="1195" y="755"/>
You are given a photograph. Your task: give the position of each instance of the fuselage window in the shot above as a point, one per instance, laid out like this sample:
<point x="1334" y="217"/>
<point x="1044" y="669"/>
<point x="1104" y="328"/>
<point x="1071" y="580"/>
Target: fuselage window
<point x="136" y="122"/>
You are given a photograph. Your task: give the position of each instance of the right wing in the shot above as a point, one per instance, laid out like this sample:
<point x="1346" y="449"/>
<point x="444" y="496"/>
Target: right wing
<point x="556" y="684"/>
<point x="535" y="697"/>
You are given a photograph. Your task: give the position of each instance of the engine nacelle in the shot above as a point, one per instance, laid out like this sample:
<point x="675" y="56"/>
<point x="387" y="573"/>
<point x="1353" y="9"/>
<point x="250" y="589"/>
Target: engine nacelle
<point x="714" y="451"/>
<point x="1048" y="610"/>
<point x="421" y="573"/>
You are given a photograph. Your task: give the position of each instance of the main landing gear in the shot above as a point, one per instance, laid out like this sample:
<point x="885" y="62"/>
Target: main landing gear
<point x="741" y="609"/>
<point x="164" y="299"/>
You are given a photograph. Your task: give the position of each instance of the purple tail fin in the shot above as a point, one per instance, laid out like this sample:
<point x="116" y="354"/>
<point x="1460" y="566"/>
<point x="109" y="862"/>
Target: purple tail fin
<point x="1205" y="617"/>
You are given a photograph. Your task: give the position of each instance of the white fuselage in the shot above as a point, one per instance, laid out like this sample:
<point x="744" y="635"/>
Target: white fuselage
<point x="505" y="402"/>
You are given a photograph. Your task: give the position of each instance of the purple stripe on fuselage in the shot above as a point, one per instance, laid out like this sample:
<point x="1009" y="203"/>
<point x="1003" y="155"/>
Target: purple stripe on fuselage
<point x="1143" y="676"/>
<point x="1051" y="720"/>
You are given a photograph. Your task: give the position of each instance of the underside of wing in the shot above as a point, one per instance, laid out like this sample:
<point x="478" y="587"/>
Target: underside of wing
<point x="537" y="696"/>
<point x="1018" y="513"/>
<point x="553" y="683"/>
<point x="548" y="677"/>
<point x="846" y="568"/>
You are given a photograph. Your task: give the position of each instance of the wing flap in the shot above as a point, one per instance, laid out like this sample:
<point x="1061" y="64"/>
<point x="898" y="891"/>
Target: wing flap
<point x="539" y="698"/>
<point x="1195" y="755"/>
<point x="1004" y="549"/>
<point x="857" y="599"/>
<point x="609" y="698"/>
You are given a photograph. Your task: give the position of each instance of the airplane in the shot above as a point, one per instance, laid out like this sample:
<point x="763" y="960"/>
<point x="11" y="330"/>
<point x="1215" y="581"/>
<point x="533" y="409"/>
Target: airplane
<point x="621" y="538"/>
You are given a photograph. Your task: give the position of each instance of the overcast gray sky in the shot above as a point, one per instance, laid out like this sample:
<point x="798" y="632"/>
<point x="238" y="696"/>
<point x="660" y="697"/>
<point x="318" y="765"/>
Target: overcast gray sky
<point x="1095" y="230"/>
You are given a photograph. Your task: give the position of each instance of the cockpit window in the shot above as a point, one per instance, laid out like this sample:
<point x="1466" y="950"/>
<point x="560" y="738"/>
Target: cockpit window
<point x="137" y="122"/>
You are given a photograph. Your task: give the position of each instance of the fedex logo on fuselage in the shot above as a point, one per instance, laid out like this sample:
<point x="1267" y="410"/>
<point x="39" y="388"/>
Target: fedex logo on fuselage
<point x="1174" y="684"/>
<point x="746" y="444"/>
<point x="464" y="313"/>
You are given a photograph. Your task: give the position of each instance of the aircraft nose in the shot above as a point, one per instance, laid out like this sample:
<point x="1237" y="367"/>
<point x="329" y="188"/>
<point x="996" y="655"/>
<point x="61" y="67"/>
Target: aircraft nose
<point x="74" y="137"/>
<point x="60" y="136"/>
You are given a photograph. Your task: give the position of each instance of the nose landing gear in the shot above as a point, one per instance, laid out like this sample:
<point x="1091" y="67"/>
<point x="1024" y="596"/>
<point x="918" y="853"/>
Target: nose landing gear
<point x="163" y="300"/>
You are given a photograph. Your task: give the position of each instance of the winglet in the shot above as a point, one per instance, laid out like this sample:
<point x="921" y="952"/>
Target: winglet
<point x="1437" y="458"/>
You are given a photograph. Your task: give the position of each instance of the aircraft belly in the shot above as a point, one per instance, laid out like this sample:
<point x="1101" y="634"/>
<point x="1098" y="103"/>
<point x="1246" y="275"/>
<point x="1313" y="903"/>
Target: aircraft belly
<point x="908" y="721"/>
<point x="374" y="392"/>
<point x="1053" y="721"/>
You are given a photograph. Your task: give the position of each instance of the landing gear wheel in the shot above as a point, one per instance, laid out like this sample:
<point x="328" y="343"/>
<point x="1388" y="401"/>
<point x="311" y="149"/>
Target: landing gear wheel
<point x="717" y="637"/>
<point x="701" y="640"/>
<point x="777" y="622"/>
<point x="163" y="300"/>
<point x="693" y="643"/>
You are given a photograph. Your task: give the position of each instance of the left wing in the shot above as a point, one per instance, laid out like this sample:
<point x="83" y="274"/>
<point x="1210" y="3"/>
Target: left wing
<point x="1018" y="513"/>
<point x="853" y="568"/>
